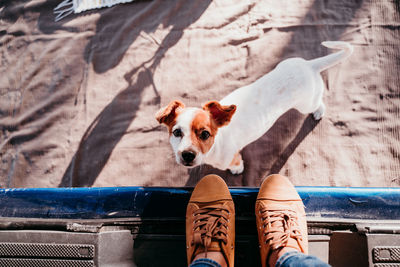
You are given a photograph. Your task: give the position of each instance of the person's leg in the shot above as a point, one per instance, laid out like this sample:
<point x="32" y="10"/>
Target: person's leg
<point x="281" y="225"/>
<point x="210" y="224"/>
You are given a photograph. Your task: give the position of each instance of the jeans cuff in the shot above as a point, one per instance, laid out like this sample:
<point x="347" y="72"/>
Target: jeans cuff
<point x="204" y="263"/>
<point x="285" y="256"/>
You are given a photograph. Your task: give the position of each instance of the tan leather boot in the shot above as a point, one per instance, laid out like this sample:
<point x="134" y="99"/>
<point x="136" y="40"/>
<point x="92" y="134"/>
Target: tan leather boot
<point x="210" y="220"/>
<point x="280" y="216"/>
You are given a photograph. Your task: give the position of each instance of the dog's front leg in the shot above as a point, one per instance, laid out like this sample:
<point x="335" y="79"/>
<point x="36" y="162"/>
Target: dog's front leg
<point x="236" y="166"/>
<point x="319" y="112"/>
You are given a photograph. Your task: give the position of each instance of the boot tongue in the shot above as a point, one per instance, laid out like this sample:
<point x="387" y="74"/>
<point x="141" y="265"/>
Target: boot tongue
<point x="292" y="243"/>
<point x="207" y="242"/>
<point x="214" y="246"/>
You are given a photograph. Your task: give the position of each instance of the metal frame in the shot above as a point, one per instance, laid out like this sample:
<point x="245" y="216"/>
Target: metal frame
<point x="152" y="219"/>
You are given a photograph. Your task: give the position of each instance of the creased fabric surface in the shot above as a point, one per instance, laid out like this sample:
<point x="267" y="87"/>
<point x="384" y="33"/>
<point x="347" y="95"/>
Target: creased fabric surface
<point x="78" y="97"/>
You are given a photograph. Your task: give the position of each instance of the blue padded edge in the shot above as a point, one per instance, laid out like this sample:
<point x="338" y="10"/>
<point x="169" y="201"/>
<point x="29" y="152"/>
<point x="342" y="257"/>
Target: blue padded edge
<point x="156" y="202"/>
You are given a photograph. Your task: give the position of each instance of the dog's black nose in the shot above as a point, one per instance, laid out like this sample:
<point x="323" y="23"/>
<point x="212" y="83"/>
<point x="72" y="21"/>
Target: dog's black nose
<point x="188" y="156"/>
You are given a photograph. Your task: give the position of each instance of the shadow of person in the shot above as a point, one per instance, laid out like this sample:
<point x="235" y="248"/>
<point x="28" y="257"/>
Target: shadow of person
<point x="9" y="12"/>
<point x="103" y="135"/>
<point x="142" y="18"/>
<point x="108" y="128"/>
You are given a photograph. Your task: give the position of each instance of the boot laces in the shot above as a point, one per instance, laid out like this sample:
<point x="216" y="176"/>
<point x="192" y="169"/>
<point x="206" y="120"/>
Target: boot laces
<point x="210" y="223"/>
<point x="279" y="227"/>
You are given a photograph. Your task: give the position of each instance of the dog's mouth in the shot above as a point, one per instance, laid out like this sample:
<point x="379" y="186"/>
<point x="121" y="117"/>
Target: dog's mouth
<point x="189" y="165"/>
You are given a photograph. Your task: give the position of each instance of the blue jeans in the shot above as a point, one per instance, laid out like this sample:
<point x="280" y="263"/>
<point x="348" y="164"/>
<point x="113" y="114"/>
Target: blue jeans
<point x="289" y="259"/>
<point x="298" y="259"/>
<point x="204" y="263"/>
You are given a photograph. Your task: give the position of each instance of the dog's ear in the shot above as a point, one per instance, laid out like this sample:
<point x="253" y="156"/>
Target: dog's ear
<point x="221" y="115"/>
<point x="168" y="114"/>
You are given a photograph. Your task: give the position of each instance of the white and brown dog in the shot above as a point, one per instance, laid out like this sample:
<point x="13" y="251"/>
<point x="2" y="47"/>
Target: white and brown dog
<point x="216" y="133"/>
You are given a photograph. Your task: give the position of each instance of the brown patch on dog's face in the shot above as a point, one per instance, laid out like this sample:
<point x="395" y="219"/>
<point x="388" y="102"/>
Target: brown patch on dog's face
<point x="206" y="122"/>
<point x="220" y="115"/>
<point x="203" y="131"/>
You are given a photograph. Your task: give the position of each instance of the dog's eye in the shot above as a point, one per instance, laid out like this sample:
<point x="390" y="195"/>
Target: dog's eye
<point x="177" y="133"/>
<point x="204" y="135"/>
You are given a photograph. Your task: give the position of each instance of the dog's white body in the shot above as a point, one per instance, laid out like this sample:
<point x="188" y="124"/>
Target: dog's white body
<point x="294" y="83"/>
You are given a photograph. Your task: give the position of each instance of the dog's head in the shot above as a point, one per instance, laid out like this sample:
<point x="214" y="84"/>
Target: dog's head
<point x="192" y="130"/>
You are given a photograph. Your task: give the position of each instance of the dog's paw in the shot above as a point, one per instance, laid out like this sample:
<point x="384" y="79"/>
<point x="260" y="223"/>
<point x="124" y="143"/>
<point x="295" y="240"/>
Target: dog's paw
<point x="319" y="113"/>
<point x="237" y="169"/>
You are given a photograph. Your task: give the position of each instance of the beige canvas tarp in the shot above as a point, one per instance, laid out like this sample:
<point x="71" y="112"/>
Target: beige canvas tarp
<point x="78" y="96"/>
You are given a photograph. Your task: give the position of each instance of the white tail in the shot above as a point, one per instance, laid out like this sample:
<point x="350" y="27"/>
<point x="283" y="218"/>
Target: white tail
<point x="323" y="63"/>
